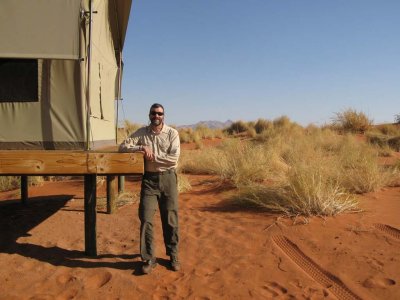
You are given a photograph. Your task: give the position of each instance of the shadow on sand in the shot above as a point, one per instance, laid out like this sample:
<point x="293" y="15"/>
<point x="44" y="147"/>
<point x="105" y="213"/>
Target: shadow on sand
<point x="16" y="220"/>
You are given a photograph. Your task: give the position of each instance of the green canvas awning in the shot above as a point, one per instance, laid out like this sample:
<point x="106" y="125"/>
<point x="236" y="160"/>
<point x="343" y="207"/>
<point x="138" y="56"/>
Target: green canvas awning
<point x="40" y="29"/>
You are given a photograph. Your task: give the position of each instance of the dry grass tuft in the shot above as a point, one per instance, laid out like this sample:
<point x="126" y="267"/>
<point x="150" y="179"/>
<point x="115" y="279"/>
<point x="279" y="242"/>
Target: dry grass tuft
<point x="352" y="121"/>
<point x="237" y="127"/>
<point x="188" y="135"/>
<point x="127" y="130"/>
<point x="359" y="169"/>
<point x="8" y="183"/>
<point x="183" y="183"/>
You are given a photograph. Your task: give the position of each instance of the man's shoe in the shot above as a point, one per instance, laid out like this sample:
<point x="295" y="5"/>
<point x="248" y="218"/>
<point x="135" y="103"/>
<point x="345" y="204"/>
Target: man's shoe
<point x="149" y="265"/>
<point x="175" y="264"/>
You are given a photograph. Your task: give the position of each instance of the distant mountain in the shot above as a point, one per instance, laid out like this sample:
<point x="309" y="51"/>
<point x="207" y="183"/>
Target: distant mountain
<point x="209" y="124"/>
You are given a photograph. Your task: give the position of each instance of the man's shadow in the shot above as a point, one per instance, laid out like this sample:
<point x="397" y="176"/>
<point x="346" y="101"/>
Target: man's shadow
<point x="16" y="220"/>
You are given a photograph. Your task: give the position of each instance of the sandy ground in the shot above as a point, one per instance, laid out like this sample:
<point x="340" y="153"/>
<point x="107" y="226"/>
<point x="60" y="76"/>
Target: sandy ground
<point x="226" y="252"/>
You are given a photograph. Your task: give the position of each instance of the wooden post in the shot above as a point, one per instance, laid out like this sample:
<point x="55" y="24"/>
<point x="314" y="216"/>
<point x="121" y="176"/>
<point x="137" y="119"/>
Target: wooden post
<point x="90" y="215"/>
<point x="121" y="184"/>
<point x="24" y="189"/>
<point x="111" y="193"/>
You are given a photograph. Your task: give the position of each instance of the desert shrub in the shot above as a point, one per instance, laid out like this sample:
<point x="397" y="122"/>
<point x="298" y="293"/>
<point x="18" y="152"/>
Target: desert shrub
<point x="389" y="129"/>
<point x="282" y="122"/>
<point x="237" y="127"/>
<point x="311" y="129"/>
<point x="251" y="124"/>
<point x="197" y="140"/>
<point x="9" y="183"/>
<point x="251" y="132"/>
<point x="352" y="121"/>
<point x="219" y="133"/>
<point x="201" y="162"/>
<point x="358" y="164"/>
<point x="262" y="125"/>
<point x="394" y="171"/>
<point x="386" y="143"/>
<point x="183" y="183"/>
<point x="204" y="132"/>
<point x="240" y="162"/>
<point x="13" y="182"/>
<point x="377" y="139"/>
<point x="186" y="135"/>
<point x="394" y="143"/>
<point x="128" y="129"/>
<point x="35" y="180"/>
<point x="307" y="192"/>
<point x="131" y="127"/>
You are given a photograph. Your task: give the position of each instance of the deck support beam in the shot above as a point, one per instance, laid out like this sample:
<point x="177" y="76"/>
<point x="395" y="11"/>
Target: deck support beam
<point x="24" y="189"/>
<point x="90" y="215"/>
<point x="112" y="193"/>
<point x="121" y="184"/>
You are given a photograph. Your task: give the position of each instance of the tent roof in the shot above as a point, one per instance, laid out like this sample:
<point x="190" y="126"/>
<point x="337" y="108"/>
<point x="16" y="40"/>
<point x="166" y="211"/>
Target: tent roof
<point x="122" y="10"/>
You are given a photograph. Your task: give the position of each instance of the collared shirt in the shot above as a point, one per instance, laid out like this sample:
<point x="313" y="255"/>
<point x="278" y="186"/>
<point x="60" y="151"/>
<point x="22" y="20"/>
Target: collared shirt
<point x="165" y="146"/>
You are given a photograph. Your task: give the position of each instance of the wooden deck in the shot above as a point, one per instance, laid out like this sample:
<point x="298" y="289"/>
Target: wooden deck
<point x="62" y="162"/>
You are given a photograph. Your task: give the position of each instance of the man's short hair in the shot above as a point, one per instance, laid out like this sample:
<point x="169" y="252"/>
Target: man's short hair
<point x="156" y="105"/>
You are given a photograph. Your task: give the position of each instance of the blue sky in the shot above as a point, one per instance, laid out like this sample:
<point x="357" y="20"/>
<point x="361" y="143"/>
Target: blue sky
<point x="249" y="59"/>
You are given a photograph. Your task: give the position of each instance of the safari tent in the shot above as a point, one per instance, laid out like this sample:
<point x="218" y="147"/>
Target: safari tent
<point x="60" y="72"/>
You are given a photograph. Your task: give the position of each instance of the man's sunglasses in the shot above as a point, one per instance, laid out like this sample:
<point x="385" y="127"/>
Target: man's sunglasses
<point x="153" y="113"/>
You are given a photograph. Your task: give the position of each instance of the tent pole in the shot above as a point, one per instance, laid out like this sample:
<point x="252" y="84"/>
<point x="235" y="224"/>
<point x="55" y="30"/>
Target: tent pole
<point x="88" y="129"/>
<point x="119" y="95"/>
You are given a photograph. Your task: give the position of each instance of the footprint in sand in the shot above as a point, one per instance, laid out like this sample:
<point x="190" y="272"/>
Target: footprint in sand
<point x="273" y="289"/>
<point x="68" y="294"/>
<point x="98" y="280"/>
<point x="65" y="278"/>
<point x="382" y="283"/>
<point x="41" y="297"/>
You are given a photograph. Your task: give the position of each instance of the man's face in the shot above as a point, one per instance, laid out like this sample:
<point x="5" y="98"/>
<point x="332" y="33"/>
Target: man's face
<point x="156" y="116"/>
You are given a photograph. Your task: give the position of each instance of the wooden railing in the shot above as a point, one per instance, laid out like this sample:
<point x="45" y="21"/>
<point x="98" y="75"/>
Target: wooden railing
<point x="62" y="162"/>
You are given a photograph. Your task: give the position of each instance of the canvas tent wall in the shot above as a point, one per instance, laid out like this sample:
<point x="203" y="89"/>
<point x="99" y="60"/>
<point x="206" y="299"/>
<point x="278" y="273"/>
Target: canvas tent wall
<point x="44" y="72"/>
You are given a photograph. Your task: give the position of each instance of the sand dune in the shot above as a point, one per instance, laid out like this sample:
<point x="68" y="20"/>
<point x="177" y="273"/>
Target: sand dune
<point x="227" y="252"/>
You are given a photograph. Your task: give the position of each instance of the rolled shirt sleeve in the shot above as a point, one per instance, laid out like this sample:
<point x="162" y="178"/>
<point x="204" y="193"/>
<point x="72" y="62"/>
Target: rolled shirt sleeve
<point x="132" y="143"/>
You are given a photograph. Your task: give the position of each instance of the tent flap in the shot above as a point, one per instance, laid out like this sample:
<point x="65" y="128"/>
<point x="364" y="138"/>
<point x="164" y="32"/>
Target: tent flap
<point x="39" y="29"/>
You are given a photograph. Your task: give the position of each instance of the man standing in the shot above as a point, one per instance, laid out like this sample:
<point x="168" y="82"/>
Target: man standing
<point x="161" y="148"/>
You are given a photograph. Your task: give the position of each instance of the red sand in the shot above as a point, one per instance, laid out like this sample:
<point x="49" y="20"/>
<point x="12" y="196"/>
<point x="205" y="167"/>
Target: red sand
<point x="226" y="252"/>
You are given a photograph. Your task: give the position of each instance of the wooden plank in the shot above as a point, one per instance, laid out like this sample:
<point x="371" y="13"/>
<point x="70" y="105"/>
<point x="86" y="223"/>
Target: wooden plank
<point x="24" y="189"/>
<point x="57" y="162"/>
<point x="90" y="215"/>
<point x="112" y="192"/>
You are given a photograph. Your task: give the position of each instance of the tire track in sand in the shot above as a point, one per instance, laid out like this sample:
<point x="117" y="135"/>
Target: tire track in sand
<point x="394" y="232"/>
<point x="323" y="277"/>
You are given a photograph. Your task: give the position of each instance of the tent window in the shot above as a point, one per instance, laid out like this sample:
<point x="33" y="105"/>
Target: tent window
<point x="18" y="80"/>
